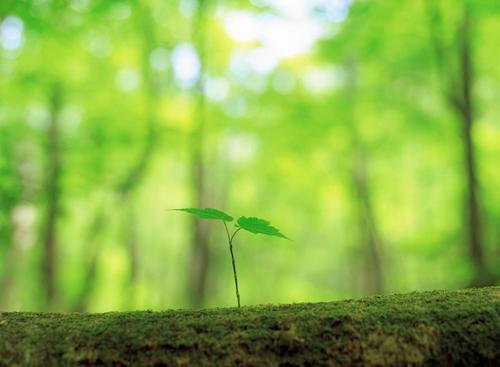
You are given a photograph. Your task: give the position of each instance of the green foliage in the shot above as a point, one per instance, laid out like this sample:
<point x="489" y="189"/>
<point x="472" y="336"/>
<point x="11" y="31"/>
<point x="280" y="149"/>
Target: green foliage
<point x="259" y="226"/>
<point x="207" y="213"/>
<point x="355" y="124"/>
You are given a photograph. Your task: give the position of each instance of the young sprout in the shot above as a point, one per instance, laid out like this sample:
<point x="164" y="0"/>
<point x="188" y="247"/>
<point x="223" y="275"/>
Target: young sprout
<point x="250" y="224"/>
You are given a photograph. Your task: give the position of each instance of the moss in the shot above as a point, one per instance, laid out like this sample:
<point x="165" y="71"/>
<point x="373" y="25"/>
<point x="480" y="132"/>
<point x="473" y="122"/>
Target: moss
<point x="428" y="328"/>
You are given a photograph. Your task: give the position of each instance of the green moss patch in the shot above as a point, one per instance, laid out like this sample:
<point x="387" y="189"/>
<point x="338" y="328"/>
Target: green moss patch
<point x="427" y="328"/>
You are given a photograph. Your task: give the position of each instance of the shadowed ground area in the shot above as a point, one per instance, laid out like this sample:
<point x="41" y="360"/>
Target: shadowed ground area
<point x="427" y="328"/>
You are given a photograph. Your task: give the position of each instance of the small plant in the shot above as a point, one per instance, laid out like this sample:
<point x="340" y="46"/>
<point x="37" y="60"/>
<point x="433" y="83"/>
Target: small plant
<point x="250" y="224"/>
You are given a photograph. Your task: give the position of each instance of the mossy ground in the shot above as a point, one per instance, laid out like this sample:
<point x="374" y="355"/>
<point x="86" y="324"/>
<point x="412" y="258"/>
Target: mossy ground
<point x="430" y="328"/>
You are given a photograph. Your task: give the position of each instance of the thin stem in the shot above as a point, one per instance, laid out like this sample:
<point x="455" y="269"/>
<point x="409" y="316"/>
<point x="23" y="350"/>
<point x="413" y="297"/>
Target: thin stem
<point x="234" y="234"/>
<point x="235" y="276"/>
<point x="227" y="231"/>
<point x="230" y="241"/>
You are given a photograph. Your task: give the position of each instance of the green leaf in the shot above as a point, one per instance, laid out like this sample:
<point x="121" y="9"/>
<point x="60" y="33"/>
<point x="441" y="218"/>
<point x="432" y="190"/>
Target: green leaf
<point x="257" y="225"/>
<point x="207" y="213"/>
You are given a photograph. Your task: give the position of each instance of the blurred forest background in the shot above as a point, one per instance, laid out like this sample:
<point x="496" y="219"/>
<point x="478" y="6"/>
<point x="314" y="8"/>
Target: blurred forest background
<point x="367" y="131"/>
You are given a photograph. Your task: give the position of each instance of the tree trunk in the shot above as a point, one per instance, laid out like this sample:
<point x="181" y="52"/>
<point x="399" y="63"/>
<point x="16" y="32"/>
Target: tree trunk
<point x="200" y="256"/>
<point x="137" y="172"/>
<point x="458" y="91"/>
<point x="368" y="230"/>
<point x="11" y="254"/>
<point x="132" y="245"/>
<point x="53" y="192"/>
<point x="8" y="201"/>
<point x="92" y="255"/>
<point x="465" y="110"/>
<point x="8" y="248"/>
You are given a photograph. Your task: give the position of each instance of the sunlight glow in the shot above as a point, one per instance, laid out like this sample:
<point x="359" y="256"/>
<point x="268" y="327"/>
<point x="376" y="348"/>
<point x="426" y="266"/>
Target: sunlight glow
<point x="217" y="89"/>
<point x="283" y="81"/>
<point x="235" y="106"/>
<point x="159" y="59"/>
<point x="24" y="219"/>
<point x="240" y="147"/>
<point x="335" y="11"/>
<point x="37" y="116"/>
<point x="188" y="7"/>
<point x="290" y="30"/>
<point x="72" y="117"/>
<point x="263" y="60"/>
<point x="285" y="37"/>
<point x="241" y="26"/>
<point x="98" y="45"/>
<point x="186" y="65"/>
<point x="128" y="79"/>
<point x="11" y="33"/>
<point x="320" y="80"/>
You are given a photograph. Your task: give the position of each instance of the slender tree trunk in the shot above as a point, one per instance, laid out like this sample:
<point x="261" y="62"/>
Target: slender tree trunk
<point x="458" y="91"/>
<point x="11" y="255"/>
<point x="8" y="250"/>
<point x="7" y="204"/>
<point x="90" y="274"/>
<point x="132" y="245"/>
<point x="368" y="230"/>
<point x="9" y="262"/>
<point x="53" y="192"/>
<point x="465" y="110"/>
<point x="200" y="256"/>
<point x="138" y="171"/>
<point x="83" y="300"/>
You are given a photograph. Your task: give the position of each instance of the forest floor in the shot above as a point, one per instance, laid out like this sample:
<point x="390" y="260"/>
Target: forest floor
<point x="425" y="328"/>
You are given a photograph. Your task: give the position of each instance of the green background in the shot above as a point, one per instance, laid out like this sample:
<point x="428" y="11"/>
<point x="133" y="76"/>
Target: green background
<point x="352" y="147"/>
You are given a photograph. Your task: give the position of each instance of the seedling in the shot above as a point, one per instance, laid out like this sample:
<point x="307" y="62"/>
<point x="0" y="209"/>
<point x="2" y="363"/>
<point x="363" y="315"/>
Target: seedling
<point x="250" y="224"/>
